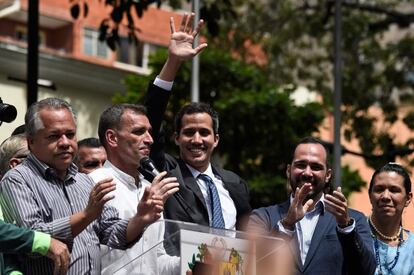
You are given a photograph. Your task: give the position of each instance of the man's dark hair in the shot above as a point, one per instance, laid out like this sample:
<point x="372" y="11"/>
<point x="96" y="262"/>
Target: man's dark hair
<point x="90" y="142"/>
<point x="19" y="130"/>
<point x="195" y="108"/>
<point x="392" y="167"/>
<point x="314" y="140"/>
<point x="111" y="117"/>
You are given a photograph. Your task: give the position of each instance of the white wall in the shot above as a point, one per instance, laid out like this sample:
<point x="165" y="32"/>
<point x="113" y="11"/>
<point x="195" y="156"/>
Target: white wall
<point x="13" y="93"/>
<point x="88" y="104"/>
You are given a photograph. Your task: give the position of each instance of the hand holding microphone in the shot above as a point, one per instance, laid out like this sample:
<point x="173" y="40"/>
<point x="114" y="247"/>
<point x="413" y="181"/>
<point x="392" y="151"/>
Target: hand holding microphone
<point x="148" y="165"/>
<point x="162" y="186"/>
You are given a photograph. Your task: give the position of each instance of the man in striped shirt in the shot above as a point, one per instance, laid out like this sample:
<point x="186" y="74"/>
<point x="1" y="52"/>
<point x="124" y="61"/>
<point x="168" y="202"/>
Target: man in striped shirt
<point x="46" y="193"/>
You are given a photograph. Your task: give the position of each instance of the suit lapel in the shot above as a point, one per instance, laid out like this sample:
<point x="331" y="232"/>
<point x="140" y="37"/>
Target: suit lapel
<point x="321" y="228"/>
<point x="228" y="183"/>
<point x="191" y="183"/>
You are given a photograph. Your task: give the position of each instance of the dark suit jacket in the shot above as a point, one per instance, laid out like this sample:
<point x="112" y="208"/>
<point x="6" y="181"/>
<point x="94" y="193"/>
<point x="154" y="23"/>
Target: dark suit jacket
<point x="330" y="252"/>
<point x="189" y="205"/>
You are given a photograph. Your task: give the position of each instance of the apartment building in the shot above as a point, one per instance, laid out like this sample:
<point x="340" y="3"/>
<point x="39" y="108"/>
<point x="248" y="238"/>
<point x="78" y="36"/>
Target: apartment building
<point x="73" y="63"/>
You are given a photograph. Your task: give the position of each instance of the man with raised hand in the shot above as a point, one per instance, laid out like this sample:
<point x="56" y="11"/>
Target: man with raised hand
<point x="208" y="195"/>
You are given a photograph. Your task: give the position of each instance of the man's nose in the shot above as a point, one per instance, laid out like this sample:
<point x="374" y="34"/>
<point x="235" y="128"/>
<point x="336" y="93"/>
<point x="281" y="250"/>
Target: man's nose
<point x="196" y="138"/>
<point x="307" y="171"/>
<point x="64" y="141"/>
<point x="148" y="139"/>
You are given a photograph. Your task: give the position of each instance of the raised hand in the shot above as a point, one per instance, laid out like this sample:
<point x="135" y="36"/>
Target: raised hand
<point x="59" y="254"/>
<point x="98" y="197"/>
<point x="298" y="207"/>
<point x="149" y="207"/>
<point x="337" y="205"/>
<point x="181" y="44"/>
<point x="149" y="210"/>
<point x="164" y="187"/>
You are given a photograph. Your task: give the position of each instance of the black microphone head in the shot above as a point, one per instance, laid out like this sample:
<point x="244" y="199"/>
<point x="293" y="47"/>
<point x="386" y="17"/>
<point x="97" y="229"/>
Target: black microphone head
<point x="145" y="161"/>
<point x="148" y="165"/>
<point x="8" y="112"/>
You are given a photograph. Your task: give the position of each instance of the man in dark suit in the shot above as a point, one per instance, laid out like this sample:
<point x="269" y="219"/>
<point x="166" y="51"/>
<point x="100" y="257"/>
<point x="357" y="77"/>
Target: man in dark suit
<point x="325" y="235"/>
<point x="219" y="198"/>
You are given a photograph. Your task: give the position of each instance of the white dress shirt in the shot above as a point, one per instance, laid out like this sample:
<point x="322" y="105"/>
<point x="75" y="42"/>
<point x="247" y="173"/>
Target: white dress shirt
<point x="227" y="204"/>
<point x="127" y="195"/>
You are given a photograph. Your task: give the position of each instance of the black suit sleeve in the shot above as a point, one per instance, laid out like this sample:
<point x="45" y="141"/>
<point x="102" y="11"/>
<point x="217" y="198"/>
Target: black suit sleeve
<point x="156" y="102"/>
<point x="358" y="248"/>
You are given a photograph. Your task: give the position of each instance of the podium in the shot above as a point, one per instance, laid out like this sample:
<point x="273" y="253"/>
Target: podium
<point x="170" y="247"/>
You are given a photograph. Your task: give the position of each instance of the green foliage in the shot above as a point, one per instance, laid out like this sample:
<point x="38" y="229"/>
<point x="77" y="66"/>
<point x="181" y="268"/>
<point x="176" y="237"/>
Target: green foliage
<point x="378" y="54"/>
<point x="351" y="180"/>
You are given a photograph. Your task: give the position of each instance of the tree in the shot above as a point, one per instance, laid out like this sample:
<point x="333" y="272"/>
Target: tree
<point x="297" y="37"/>
<point x="123" y="13"/>
<point x="259" y="122"/>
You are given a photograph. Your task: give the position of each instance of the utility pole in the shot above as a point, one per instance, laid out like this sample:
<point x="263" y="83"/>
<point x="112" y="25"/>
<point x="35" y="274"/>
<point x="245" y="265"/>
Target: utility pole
<point x="32" y="51"/>
<point x="338" y="94"/>
<point x="195" y="72"/>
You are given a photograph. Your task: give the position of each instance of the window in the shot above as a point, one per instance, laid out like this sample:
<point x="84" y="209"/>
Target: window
<point x="92" y="46"/>
<point x="132" y="54"/>
<point x="21" y="35"/>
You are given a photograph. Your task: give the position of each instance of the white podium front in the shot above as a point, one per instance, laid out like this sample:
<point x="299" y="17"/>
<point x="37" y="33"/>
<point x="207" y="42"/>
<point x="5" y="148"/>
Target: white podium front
<point x="172" y="247"/>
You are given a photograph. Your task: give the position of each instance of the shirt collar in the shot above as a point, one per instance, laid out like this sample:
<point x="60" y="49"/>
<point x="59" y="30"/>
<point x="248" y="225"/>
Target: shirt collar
<point x="196" y="173"/>
<point x="122" y="176"/>
<point x="46" y="171"/>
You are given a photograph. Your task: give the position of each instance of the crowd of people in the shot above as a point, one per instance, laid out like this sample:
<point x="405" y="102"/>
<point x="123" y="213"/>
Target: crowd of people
<point x="81" y="207"/>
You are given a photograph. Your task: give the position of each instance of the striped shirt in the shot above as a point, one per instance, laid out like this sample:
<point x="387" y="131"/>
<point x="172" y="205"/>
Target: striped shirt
<point x="33" y="196"/>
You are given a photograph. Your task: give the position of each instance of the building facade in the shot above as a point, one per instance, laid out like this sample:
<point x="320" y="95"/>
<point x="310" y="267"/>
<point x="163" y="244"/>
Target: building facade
<point x="73" y="63"/>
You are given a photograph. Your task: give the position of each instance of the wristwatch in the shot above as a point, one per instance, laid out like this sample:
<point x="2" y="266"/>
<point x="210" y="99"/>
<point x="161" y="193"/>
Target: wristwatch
<point x="350" y="222"/>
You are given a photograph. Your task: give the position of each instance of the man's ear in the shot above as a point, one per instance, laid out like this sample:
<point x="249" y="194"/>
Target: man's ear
<point x="29" y="142"/>
<point x="216" y="140"/>
<point x="288" y="171"/>
<point x="111" y="138"/>
<point x="176" y="136"/>
<point x="328" y="175"/>
<point x="13" y="162"/>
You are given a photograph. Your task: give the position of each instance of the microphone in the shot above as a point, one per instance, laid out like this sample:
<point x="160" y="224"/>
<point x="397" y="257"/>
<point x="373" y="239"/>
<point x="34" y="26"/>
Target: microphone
<point x="8" y="112"/>
<point x="148" y="165"/>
